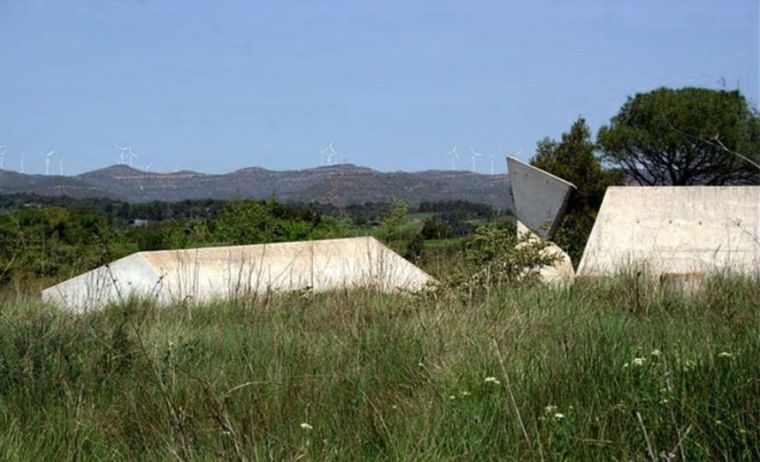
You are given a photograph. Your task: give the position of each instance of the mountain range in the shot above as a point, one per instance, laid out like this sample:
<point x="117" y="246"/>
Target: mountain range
<point x="338" y="184"/>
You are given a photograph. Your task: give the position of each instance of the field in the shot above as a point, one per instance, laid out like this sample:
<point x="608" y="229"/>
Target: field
<point x="613" y="370"/>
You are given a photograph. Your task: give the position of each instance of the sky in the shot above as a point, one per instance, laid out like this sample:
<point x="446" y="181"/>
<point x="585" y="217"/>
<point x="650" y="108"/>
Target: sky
<point x="215" y="86"/>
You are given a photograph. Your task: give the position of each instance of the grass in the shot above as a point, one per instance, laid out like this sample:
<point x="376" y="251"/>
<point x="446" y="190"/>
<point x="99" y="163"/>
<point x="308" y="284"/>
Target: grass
<point x="612" y="370"/>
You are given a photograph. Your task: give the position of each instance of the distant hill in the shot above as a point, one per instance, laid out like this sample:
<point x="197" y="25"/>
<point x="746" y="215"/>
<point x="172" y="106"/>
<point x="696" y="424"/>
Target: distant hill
<point x="338" y="184"/>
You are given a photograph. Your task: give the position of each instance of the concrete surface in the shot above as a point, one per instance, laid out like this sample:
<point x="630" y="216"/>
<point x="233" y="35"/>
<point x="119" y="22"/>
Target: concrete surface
<point x="540" y="198"/>
<point x="561" y="272"/>
<point x="172" y="276"/>
<point x="670" y="230"/>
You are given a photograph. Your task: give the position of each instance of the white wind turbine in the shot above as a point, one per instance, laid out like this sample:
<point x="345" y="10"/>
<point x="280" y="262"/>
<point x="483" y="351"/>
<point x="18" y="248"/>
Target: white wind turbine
<point x="493" y="159"/>
<point x="130" y="155"/>
<point x="2" y="157"/>
<point x="329" y="154"/>
<point x="123" y="150"/>
<point x="454" y="156"/>
<point x="475" y="155"/>
<point x="47" y="161"/>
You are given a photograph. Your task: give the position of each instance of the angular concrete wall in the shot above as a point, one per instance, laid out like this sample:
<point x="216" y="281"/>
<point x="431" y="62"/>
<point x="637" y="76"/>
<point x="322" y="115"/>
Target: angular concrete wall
<point x="225" y="272"/>
<point x="540" y="197"/>
<point x="675" y="230"/>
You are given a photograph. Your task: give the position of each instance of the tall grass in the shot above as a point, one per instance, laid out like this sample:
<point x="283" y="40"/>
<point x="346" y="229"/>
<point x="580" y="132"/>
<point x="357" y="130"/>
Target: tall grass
<point x="611" y="370"/>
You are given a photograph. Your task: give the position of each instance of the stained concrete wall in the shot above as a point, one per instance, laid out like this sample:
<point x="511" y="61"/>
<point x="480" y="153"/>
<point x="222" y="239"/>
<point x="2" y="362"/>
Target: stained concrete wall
<point x="675" y="230"/>
<point x="540" y="197"/>
<point x="225" y="272"/>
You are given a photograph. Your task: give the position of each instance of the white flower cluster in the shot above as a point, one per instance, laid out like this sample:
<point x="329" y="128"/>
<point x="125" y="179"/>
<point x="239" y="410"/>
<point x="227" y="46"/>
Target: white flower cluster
<point x="492" y="380"/>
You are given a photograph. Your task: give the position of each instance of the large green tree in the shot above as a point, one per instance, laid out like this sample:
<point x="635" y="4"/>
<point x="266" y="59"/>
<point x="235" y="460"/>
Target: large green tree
<point x="688" y="136"/>
<point x="573" y="159"/>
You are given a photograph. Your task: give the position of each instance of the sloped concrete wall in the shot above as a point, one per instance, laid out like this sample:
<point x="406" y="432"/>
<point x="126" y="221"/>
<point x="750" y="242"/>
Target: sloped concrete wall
<point x="106" y="284"/>
<point x="675" y="230"/>
<point x="540" y="197"/>
<point x="227" y="272"/>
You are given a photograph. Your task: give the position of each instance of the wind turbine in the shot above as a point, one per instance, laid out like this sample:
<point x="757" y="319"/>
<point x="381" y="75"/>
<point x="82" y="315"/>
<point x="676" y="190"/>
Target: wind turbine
<point x="493" y="159"/>
<point x="454" y="156"/>
<point x="123" y="150"/>
<point x="47" y="161"/>
<point x="130" y="155"/>
<point x="329" y="154"/>
<point x="475" y="155"/>
<point x="2" y="157"/>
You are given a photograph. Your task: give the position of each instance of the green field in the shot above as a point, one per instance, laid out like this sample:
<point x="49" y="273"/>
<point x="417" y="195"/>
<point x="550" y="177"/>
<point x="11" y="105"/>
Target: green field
<point x="608" y="371"/>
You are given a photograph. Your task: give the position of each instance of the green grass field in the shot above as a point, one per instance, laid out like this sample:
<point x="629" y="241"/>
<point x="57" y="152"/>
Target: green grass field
<point x="607" y="371"/>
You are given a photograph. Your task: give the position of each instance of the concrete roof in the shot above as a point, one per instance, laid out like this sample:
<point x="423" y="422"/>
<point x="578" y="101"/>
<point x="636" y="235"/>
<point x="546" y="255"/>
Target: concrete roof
<point x="675" y="230"/>
<point x="225" y="272"/>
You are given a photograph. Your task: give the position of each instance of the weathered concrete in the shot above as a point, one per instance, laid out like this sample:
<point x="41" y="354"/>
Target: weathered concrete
<point x="671" y="230"/>
<point x="540" y="197"/>
<point x="561" y="271"/>
<point x="224" y="272"/>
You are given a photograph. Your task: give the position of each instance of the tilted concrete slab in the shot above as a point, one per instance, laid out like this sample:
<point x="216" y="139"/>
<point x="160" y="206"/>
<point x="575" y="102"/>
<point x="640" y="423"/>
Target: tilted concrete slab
<point x="540" y="198"/>
<point x="171" y="276"/>
<point x="671" y="230"/>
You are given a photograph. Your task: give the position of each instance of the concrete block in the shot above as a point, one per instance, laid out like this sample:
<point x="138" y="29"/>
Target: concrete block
<point x="540" y="198"/>
<point x="203" y="274"/>
<point x="671" y="230"/>
<point x="561" y="272"/>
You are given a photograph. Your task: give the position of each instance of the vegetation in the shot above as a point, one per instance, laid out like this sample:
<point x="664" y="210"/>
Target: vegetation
<point x="41" y="244"/>
<point x="610" y="371"/>
<point x="689" y="136"/>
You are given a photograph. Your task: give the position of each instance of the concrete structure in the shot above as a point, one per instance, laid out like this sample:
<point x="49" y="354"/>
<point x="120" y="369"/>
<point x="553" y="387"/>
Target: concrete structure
<point x="675" y="232"/>
<point x="540" y="197"/>
<point x="561" y="271"/>
<point x="224" y="272"/>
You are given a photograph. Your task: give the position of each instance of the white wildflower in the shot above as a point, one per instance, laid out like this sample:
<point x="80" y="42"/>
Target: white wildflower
<point x="725" y="354"/>
<point x="464" y="393"/>
<point x="559" y="416"/>
<point x="656" y="353"/>
<point x="492" y="380"/>
<point x="306" y="426"/>
<point x="638" y="362"/>
<point x="550" y="409"/>
<point x="452" y="397"/>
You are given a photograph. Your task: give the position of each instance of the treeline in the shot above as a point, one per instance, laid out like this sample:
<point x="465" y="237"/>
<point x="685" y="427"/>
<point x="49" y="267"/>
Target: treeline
<point x="52" y="242"/>
<point x="369" y="214"/>
<point x="51" y="238"/>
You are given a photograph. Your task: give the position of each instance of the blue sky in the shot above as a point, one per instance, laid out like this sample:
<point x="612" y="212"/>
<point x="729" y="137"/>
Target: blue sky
<point x="218" y="85"/>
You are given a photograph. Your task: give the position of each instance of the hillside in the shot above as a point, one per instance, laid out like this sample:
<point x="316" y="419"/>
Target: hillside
<point x="339" y="185"/>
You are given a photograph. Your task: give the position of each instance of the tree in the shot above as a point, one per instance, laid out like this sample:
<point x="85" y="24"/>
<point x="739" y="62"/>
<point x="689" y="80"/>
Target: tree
<point x="573" y="159"/>
<point x="687" y="136"/>
<point x="391" y="225"/>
